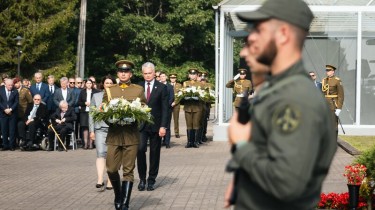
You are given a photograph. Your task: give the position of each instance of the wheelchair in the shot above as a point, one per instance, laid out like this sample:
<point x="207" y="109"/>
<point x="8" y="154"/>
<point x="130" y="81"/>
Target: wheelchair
<point x="40" y="137"/>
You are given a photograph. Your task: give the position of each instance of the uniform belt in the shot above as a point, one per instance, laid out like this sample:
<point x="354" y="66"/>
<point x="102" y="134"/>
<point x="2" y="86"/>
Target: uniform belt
<point x="331" y="96"/>
<point x="240" y="95"/>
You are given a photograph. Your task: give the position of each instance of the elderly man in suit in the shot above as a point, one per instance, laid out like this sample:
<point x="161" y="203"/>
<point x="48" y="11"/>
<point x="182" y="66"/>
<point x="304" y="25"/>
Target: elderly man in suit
<point x="51" y="106"/>
<point x="33" y="119"/>
<point x="62" y="121"/>
<point x="39" y="87"/>
<point x="157" y="98"/>
<point x="8" y="114"/>
<point x="64" y="93"/>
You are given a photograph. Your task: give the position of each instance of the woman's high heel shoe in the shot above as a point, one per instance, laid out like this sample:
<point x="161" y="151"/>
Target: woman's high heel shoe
<point x="100" y="186"/>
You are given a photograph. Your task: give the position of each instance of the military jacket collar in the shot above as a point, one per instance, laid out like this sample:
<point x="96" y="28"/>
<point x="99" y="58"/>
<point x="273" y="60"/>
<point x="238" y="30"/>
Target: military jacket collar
<point x="296" y="68"/>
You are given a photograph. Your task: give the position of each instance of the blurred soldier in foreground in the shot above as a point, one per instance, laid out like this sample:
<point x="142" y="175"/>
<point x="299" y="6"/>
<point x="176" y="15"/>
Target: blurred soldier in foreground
<point x="284" y="154"/>
<point x="334" y="93"/>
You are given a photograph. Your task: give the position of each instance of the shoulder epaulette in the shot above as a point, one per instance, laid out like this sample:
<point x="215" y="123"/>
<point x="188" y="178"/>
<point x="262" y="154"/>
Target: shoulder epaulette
<point x="337" y="78"/>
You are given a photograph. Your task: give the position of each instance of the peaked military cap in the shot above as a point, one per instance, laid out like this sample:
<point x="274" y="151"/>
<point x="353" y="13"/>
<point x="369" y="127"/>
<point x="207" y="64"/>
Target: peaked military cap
<point x="295" y="12"/>
<point x="173" y="75"/>
<point x="193" y="71"/>
<point x="242" y="71"/>
<point x="124" y="65"/>
<point x="330" y="67"/>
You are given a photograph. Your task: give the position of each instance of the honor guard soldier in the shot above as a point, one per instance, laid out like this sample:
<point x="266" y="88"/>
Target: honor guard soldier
<point x="206" y="109"/>
<point x="176" y="106"/>
<point x="241" y="86"/>
<point x="122" y="141"/>
<point x="193" y="111"/>
<point x="334" y="93"/>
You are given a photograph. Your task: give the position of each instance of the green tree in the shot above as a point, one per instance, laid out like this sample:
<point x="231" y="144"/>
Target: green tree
<point x="48" y="28"/>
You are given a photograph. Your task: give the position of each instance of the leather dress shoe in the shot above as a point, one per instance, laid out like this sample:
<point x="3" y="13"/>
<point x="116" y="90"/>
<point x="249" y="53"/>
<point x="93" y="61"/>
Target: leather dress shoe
<point x="12" y="149"/>
<point x="150" y="187"/>
<point x="142" y="185"/>
<point x="177" y="136"/>
<point x="167" y="146"/>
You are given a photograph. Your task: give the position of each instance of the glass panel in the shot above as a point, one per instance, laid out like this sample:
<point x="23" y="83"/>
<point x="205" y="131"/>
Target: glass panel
<point x="368" y="69"/>
<point x="333" y="40"/>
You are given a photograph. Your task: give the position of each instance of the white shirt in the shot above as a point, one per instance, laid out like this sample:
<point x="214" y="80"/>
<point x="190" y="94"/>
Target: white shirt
<point x="88" y="99"/>
<point x="64" y="93"/>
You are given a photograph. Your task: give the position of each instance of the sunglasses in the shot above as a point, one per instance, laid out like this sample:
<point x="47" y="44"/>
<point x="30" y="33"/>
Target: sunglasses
<point x="71" y="82"/>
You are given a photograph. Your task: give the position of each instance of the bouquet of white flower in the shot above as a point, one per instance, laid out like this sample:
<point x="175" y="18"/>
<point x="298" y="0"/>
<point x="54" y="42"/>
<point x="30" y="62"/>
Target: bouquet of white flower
<point x="120" y="111"/>
<point x="195" y="93"/>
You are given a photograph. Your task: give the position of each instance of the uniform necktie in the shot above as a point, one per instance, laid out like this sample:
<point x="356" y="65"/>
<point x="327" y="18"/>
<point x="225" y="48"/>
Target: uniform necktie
<point x="148" y="91"/>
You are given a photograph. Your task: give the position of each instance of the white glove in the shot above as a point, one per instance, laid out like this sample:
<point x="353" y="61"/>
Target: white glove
<point x="337" y="112"/>
<point x="236" y="77"/>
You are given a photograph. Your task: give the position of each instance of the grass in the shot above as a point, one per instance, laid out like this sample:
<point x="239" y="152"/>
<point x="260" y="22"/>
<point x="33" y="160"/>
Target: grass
<point x="361" y="143"/>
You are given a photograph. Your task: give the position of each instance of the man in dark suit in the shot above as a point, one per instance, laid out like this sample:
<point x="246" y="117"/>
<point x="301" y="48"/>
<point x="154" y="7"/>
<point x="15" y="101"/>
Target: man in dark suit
<point x="64" y="93"/>
<point x="33" y="119"/>
<point x="316" y="83"/>
<point x="39" y="87"/>
<point x="163" y="79"/>
<point x="62" y="121"/>
<point x="51" y="106"/>
<point x="8" y="113"/>
<point x="157" y="98"/>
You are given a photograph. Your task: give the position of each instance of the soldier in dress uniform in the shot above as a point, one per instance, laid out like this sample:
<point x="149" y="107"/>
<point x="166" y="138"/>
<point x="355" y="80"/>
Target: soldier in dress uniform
<point x="193" y="111"/>
<point x="122" y="141"/>
<point x="334" y="93"/>
<point x="241" y="86"/>
<point x="25" y="97"/>
<point x="206" y="109"/>
<point x="176" y="105"/>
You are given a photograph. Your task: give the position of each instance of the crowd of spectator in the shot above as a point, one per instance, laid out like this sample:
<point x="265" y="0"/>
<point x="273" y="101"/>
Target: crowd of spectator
<point x="29" y="109"/>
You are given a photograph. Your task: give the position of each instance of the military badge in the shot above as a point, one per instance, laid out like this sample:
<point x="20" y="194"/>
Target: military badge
<point x="286" y="119"/>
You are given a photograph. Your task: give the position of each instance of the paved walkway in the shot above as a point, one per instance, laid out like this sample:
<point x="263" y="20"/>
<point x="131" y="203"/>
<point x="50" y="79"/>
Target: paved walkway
<point x="188" y="179"/>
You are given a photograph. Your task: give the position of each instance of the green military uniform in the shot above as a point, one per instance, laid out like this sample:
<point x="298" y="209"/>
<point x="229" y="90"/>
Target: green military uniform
<point x="291" y="148"/>
<point x="206" y="110"/>
<point x="193" y="112"/>
<point x="176" y="109"/>
<point x="24" y="99"/>
<point x="122" y="141"/>
<point x="240" y="86"/>
<point x="333" y="92"/>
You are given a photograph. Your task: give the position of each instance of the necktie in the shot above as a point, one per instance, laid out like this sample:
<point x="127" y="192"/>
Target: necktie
<point x="62" y="115"/>
<point x="51" y="89"/>
<point x="38" y="86"/>
<point x="33" y="112"/>
<point x="148" y="91"/>
<point x="8" y="94"/>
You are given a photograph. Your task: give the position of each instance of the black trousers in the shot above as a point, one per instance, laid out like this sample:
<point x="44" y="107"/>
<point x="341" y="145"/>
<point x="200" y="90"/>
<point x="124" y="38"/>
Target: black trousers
<point x="32" y="127"/>
<point x="62" y="130"/>
<point x="155" y="145"/>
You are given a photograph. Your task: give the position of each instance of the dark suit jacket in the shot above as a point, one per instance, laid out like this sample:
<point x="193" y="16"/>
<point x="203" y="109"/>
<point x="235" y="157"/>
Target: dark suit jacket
<point x="82" y="99"/>
<point x="44" y="92"/>
<point x="170" y="94"/>
<point x="41" y="113"/>
<point x="70" y="116"/>
<point x="50" y="103"/>
<point x="318" y="85"/>
<point x="59" y="97"/>
<point x="158" y="102"/>
<point x="11" y="103"/>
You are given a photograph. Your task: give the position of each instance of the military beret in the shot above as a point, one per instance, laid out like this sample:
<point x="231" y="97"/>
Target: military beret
<point x="330" y="67"/>
<point x="124" y="65"/>
<point x="193" y="71"/>
<point x="295" y="12"/>
<point x="173" y="75"/>
<point x="16" y="80"/>
<point x="242" y="71"/>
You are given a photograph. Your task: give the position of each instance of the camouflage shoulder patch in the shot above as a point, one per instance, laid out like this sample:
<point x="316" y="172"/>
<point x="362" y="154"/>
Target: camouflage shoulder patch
<point x="286" y="119"/>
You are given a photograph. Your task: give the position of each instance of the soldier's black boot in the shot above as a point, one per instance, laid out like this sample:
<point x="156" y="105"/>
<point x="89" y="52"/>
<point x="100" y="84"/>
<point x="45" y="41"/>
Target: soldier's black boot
<point x="126" y="193"/>
<point x="194" y="138"/>
<point x="188" y="145"/>
<point x="200" y="136"/>
<point x="116" y="184"/>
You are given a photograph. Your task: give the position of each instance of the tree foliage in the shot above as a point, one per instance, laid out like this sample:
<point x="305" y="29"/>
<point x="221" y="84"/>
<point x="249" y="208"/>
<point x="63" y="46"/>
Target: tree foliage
<point x="173" y="34"/>
<point x="47" y="27"/>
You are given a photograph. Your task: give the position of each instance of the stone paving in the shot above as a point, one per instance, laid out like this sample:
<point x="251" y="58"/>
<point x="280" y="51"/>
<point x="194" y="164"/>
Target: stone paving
<point x="188" y="178"/>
